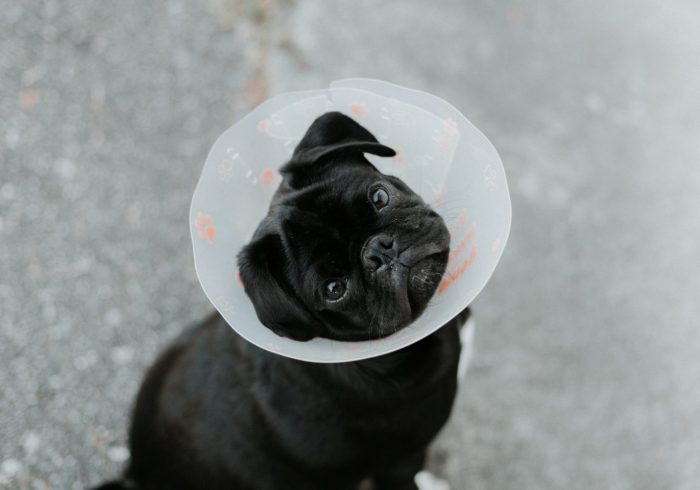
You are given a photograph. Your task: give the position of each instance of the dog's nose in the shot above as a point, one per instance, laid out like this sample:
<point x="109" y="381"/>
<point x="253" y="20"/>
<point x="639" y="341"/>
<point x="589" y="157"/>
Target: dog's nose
<point x="379" y="250"/>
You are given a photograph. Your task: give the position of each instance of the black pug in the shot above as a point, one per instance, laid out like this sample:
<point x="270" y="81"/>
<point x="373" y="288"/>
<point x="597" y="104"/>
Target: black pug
<point x="346" y="253"/>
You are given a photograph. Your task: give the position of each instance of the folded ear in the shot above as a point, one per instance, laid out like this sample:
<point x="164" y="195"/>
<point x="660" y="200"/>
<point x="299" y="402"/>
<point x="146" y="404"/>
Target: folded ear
<point x="261" y="266"/>
<point x="331" y="135"/>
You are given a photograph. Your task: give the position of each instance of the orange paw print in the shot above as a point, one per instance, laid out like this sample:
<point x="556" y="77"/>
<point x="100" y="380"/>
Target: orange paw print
<point x="205" y="226"/>
<point x="267" y="177"/>
<point x="456" y="270"/>
<point x="445" y="142"/>
<point x="358" y="108"/>
<point x="264" y="125"/>
<point x="450" y="126"/>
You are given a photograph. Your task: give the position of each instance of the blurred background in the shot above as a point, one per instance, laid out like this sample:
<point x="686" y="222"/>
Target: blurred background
<point x="586" y="372"/>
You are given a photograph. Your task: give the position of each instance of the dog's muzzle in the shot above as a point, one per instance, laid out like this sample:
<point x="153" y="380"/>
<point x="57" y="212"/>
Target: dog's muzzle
<point x="382" y="251"/>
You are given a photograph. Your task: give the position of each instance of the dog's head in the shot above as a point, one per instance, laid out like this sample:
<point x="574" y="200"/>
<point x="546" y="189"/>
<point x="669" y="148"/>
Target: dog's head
<point x="345" y="251"/>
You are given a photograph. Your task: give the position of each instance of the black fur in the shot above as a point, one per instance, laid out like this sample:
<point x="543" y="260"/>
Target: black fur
<point x="322" y="226"/>
<point x="216" y="412"/>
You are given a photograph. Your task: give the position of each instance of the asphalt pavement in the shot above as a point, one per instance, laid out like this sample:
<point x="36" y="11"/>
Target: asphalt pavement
<point x="586" y="372"/>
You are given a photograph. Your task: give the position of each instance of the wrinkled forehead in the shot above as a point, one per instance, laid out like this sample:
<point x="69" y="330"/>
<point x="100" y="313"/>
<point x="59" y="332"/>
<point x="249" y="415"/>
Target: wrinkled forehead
<point x="338" y="189"/>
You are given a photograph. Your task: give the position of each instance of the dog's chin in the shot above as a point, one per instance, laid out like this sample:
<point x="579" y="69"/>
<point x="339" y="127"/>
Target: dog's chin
<point x="423" y="280"/>
<point x="421" y="283"/>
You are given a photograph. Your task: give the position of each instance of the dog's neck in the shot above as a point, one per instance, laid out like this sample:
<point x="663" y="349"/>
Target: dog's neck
<point x="402" y="371"/>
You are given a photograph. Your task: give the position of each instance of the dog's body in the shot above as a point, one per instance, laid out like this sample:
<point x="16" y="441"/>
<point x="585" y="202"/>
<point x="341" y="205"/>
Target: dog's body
<point x="216" y="412"/>
<point x="346" y="253"/>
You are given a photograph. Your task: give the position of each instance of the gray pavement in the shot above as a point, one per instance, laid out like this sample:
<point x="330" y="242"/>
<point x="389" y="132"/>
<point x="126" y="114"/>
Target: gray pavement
<point x="586" y="373"/>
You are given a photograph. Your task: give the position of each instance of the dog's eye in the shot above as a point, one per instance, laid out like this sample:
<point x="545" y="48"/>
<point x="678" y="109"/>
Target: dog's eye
<point x="334" y="289"/>
<point x="379" y="197"/>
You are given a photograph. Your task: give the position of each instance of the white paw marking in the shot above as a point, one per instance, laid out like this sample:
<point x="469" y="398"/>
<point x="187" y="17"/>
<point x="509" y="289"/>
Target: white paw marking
<point x="466" y="336"/>
<point x="427" y="481"/>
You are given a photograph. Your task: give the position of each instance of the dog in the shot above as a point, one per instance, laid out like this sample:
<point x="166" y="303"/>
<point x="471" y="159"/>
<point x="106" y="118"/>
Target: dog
<point x="347" y="253"/>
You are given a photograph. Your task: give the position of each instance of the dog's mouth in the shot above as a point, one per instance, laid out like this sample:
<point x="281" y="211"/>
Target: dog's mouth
<point x="425" y="277"/>
<point x="405" y="284"/>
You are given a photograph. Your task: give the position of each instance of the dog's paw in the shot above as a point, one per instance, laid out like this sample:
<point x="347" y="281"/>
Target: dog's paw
<point x="427" y="481"/>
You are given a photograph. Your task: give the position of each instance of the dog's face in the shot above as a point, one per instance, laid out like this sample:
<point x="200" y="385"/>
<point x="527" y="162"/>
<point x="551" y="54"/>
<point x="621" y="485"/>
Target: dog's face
<point x="345" y="251"/>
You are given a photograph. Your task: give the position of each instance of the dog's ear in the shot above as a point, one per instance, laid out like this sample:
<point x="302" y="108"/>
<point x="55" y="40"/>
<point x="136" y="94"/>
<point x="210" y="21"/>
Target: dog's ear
<point x="331" y="135"/>
<point x="261" y="264"/>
